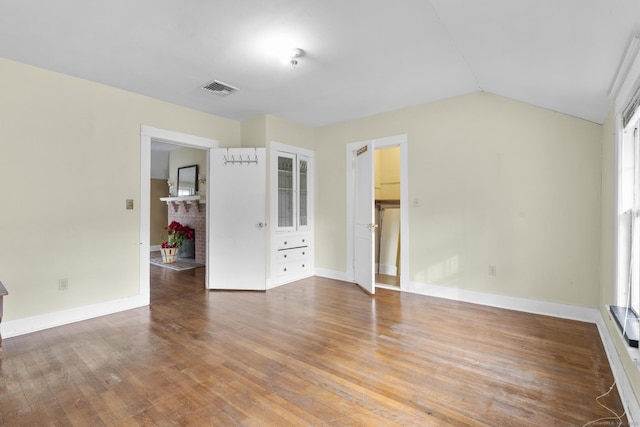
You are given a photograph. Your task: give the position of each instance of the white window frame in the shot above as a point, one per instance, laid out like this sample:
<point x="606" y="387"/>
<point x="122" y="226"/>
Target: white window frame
<point x="628" y="215"/>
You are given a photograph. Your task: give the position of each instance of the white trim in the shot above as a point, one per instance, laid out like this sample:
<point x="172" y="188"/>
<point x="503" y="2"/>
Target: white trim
<point x="332" y="274"/>
<point x="390" y="141"/>
<point x="155" y="248"/>
<point x="626" y="64"/>
<point x="178" y="138"/>
<point x="144" y="287"/>
<point x="402" y="142"/>
<point x="564" y="311"/>
<point x="625" y="390"/>
<point x="27" y="325"/>
<point x="148" y="133"/>
<point x="278" y="146"/>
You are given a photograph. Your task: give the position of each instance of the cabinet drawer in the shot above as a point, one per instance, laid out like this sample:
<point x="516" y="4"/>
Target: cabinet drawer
<point x="296" y="241"/>
<point x="295" y="254"/>
<point x="292" y="268"/>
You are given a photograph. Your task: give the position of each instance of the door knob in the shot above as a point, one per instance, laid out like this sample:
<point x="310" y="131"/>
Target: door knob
<point x="262" y="224"/>
<point x="372" y="226"/>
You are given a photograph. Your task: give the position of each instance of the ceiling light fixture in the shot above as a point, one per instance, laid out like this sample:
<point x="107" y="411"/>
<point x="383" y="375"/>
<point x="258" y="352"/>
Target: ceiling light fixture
<point x="291" y="57"/>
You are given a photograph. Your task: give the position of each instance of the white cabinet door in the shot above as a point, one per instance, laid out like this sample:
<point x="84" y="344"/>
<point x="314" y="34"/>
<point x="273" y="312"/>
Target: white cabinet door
<point x="286" y="192"/>
<point x="236" y="209"/>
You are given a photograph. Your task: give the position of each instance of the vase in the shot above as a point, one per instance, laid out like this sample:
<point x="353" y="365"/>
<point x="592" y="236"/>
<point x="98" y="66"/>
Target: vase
<point x="169" y="255"/>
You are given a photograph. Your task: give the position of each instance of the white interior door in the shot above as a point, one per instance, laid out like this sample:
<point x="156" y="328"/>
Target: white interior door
<point x="236" y="209"/>
<point x="364" y="225"/>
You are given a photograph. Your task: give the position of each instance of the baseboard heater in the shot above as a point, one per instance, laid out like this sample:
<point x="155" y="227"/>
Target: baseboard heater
<point x="628" y="316"/>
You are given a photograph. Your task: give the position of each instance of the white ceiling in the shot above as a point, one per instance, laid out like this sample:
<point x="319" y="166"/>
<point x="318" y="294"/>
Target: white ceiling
<point x="362" y="56"/>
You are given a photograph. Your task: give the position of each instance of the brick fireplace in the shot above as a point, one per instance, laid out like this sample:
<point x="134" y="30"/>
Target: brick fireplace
<point x="193" y="214"/>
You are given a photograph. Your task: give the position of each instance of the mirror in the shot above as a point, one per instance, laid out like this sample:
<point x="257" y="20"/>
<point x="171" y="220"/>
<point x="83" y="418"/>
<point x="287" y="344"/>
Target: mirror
<point x="187" y="180"/>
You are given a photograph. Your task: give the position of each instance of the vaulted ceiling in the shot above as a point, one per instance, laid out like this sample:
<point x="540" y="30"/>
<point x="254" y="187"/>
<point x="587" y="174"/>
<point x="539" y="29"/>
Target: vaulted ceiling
<point x="361" y="56"/>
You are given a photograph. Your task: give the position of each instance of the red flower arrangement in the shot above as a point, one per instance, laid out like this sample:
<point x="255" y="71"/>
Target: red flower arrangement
<point x="176" y="234"/>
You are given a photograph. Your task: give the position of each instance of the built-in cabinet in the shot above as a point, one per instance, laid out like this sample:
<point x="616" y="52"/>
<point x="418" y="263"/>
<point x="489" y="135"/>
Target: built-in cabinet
<point x="291" y="213"/>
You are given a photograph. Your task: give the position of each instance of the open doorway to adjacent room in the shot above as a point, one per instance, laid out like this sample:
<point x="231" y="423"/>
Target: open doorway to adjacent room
<point x="373" y="250"/>
<point x="167" y="162"/>
<point x="387" y="217"/>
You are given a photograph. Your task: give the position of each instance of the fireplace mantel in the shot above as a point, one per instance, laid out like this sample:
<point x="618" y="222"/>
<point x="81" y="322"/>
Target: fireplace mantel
<point x="185" y="201"/>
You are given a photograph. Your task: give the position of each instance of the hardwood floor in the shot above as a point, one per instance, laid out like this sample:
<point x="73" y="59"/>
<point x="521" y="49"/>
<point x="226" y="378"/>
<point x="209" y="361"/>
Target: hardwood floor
<point x="315" y="352"/>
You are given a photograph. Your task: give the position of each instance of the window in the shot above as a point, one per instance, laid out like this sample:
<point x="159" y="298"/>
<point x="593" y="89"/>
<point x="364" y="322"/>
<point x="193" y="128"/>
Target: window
<point x="628" y="294"/>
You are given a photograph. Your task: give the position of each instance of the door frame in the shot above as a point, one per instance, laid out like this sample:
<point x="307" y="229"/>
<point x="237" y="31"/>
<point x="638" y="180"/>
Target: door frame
<point x="147" y="134"/>
<point x="385" y="142"/>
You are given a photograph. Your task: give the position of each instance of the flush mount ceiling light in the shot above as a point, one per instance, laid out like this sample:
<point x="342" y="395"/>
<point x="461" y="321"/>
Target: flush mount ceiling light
<point x="291" y="56"/>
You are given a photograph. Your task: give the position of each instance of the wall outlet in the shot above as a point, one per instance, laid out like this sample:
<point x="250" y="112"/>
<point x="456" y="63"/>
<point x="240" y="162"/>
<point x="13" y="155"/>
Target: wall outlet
<point x="63" y="284"/>
<point x="129" y="204"/>
<point x="492" y="271"/>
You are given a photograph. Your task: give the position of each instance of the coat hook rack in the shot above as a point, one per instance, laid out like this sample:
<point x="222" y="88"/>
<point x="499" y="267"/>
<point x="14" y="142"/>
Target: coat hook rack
<point x="231" y="159"/>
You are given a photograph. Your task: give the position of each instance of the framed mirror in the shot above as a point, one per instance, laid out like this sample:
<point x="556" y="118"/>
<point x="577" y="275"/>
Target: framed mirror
<point x="188" y="180"/>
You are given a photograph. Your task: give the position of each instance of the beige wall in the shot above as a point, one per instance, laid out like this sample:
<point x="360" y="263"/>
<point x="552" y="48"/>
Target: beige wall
<point x="498" y="182"/>
<point x="253" y="132"/>
<point x="607" y="247"/>
<point x="158" y="208"/>
<point x="261" y="130"/>
<point x="290" y="133"/>
<point x="69" y="159"/>
<point x="187" y="157"/>
<point x="386" y="164"/>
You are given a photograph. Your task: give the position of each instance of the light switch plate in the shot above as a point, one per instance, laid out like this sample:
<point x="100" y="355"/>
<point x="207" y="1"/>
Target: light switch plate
<point x="129" y="203"/>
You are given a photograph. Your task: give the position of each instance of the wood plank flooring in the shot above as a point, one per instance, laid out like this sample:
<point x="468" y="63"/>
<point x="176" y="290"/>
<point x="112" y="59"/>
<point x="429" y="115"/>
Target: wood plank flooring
<point x="316" y="352"/>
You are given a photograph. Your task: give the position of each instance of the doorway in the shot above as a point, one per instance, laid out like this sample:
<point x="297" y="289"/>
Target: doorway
<point x="147" y="135"/>
<point x="400" y="265"/>
<point x="387" y="217"/>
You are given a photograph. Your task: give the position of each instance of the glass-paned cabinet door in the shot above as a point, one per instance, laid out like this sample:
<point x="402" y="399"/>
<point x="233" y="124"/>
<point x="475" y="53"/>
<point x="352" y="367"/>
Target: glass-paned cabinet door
<point x="286" y="191"/>
<point x="303" y="191"/>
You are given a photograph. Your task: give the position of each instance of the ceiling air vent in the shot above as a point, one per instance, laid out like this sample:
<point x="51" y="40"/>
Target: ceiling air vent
<point x="219" y="88"/>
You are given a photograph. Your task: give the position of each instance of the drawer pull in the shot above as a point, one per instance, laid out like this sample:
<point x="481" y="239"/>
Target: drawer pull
<point x="303" y="265"/>
<point x="285" y="255"/>
<point x="285" y="269"/>
<point x="302" y="253"/>
<point x="285" y="242"/>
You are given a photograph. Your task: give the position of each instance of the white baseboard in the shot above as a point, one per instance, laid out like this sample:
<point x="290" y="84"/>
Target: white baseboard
<point x="564" y="311"/>
<point x="390" y="270"/>
<point x="275" y="283"/>
<point x="26" y="325"/>
<point x="625" y="390"/>
<point x="331" y="274"/>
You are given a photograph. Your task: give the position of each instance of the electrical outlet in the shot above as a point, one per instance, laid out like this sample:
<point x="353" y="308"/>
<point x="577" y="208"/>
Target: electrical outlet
<point x="492" y="271"/>
<point x="129" y="204"/>
<point x="63" y="284"/>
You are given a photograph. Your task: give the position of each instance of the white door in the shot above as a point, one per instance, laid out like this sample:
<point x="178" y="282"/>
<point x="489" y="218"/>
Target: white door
<point x="236" y="209"/>
<point x="364" y="224"/>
